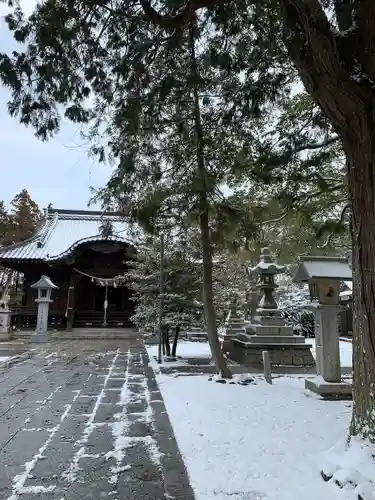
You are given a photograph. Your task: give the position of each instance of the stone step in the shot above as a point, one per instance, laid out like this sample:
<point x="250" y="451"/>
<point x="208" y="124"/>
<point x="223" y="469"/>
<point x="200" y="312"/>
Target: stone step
<point x="283" y="331"/>
<point x="272" y="339"/>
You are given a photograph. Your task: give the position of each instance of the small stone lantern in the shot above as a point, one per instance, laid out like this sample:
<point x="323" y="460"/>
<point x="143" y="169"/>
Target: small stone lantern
<point x="323" y="275"/>
<point x="44" y="287"/>
<point x="5" y="315"/>
<point x="267" y="269"/>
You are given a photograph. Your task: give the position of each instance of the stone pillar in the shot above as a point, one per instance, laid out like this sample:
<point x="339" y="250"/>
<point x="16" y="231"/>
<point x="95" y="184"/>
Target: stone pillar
<point x="5" y="315"/>
<point x="327" y="342"/>
<point x="41" y="333"/>
<point x="70" y="306"/>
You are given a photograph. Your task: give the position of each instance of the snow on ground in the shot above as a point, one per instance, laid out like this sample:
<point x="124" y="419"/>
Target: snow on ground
<point x="257" y="441"/>
<point x="346" y="352"/>
<point x="4" y="358"/>
<point x="186" y="349"/>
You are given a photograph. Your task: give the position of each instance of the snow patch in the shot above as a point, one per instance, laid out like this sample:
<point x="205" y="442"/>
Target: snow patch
<point x="70" y="474"/>
<point x="352" y="467"/>
<point x="280" y="429"/>
<point x="19" y="480"/>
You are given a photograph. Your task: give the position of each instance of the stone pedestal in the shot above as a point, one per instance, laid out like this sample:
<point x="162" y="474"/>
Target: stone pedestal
<point x="330" y="390"/>
<point x="5" y="315"/>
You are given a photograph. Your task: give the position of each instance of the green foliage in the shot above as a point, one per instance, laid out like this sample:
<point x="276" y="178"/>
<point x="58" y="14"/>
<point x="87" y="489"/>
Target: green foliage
<point x="4" y="221"/>
<point x="182" y="287"/>
<point x="23" y="218"/>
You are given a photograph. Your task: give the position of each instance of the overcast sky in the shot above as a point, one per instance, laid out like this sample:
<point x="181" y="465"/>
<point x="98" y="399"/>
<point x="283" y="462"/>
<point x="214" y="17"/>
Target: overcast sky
<point x="57" y="171"/>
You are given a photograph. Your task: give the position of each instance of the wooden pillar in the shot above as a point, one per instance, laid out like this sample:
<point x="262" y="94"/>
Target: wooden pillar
<point x="70" y="306"/>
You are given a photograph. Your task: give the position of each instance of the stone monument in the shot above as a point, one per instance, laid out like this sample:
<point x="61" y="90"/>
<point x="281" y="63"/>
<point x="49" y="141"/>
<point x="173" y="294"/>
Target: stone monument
<point x="269" y="332"/>
<point x="323" y="275"/>
<point x="5" y="315"/>
<point x="44" y="287"/>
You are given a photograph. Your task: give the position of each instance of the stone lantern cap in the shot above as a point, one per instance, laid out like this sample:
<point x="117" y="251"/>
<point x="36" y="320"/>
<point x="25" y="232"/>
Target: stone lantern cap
<point x="44" y="282"/>
<point x="323" y="268"/>
<point x="267" y="264"/>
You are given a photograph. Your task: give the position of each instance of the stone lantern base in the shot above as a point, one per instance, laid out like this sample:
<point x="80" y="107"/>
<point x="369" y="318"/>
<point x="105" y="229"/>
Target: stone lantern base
<point x="289" y="352"/>
<point x="330" y="390"/>
<point x="39" y="338"/>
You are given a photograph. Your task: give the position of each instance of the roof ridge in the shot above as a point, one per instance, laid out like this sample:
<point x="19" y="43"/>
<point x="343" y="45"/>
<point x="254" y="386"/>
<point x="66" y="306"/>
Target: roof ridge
<point x="94" y="213"/>
<point x="48" y="230"/>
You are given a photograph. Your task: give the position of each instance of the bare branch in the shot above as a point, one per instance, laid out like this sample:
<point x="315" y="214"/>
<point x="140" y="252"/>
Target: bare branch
<point x="318" y="145"/>
<point x="278" y="219"/>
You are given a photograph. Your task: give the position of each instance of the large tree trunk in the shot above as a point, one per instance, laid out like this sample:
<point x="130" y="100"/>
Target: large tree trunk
<point x="362" y="188"/>
<point x="208" y="298"/>
<point x="337" y="72"/>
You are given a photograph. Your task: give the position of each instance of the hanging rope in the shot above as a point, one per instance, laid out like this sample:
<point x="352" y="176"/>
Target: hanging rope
<point x="115" y="281"/>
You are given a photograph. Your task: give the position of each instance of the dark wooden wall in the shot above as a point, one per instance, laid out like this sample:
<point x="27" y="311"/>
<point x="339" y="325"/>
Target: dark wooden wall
<point x="105" y="260"/>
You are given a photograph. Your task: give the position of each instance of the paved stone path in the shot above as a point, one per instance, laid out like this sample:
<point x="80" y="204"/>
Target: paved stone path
<point x="85" y="420"/>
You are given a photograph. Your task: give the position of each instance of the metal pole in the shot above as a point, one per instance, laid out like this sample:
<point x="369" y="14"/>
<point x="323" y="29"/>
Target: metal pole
<point x="105" y="305"/>
<point x="161" y="295"/>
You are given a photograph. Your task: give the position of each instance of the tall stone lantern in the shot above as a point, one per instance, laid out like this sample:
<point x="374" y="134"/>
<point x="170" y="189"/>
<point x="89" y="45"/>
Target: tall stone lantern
<point x="44" y="287"/>
<point x="269" y="332"/>
<point x="323" y="275"/>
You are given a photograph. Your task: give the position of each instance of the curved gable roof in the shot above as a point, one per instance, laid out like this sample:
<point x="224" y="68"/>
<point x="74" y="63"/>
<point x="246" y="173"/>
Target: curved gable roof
<point x="63" y="231"/>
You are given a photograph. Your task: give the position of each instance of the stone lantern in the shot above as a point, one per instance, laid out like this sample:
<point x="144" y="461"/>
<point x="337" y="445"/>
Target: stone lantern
<point x="44" y="287"/>
<point x="323" y="275"/>
<point x="269" y="332"/>
<point x="267" y="269"/>
<point x="5" y="314"/>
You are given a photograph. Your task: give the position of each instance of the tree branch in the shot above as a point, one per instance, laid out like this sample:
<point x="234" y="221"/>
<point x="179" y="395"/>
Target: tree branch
<point x="317" y="145"/>
<point x="278" y="219"/>
<point x="183" y="17"/>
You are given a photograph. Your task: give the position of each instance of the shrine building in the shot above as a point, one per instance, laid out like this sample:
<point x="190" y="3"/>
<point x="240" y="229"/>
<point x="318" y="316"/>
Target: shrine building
<point x="85" y="254"/>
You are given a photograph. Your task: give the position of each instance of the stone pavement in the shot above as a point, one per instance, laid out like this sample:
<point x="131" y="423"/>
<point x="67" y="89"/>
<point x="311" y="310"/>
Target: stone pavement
<point x="85" y="420"/>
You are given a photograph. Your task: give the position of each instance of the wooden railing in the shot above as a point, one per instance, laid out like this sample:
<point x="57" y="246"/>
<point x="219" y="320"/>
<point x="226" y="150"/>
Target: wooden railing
<point x="24" y="318"/>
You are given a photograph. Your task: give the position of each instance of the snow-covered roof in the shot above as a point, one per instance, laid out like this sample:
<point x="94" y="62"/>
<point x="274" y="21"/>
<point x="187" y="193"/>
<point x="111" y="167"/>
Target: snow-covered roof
<point x="348" y="284"/>
<point x="64" y="230"/>
<point x="323" y="267"/>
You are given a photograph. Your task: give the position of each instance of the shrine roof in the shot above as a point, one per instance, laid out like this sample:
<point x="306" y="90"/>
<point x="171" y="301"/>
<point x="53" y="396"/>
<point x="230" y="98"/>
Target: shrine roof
<point x="62" y="231"/>
<point x="311" y="267"/>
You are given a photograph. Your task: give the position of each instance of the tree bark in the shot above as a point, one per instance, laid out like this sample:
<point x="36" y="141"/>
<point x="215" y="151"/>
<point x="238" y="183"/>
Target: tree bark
<point x="175" y="340"/>
<point x="166" y="341"/>
<point x="208" y="298"/>
<point x="330" y="74"/>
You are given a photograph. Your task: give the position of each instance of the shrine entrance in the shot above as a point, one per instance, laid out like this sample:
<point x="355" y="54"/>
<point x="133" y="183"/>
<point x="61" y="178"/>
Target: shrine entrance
<point x="114" y="298"/>
<point x="101" y="295"/>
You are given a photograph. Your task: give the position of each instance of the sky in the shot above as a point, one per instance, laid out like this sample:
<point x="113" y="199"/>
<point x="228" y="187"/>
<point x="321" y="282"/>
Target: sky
<point x="58" y="171"/>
